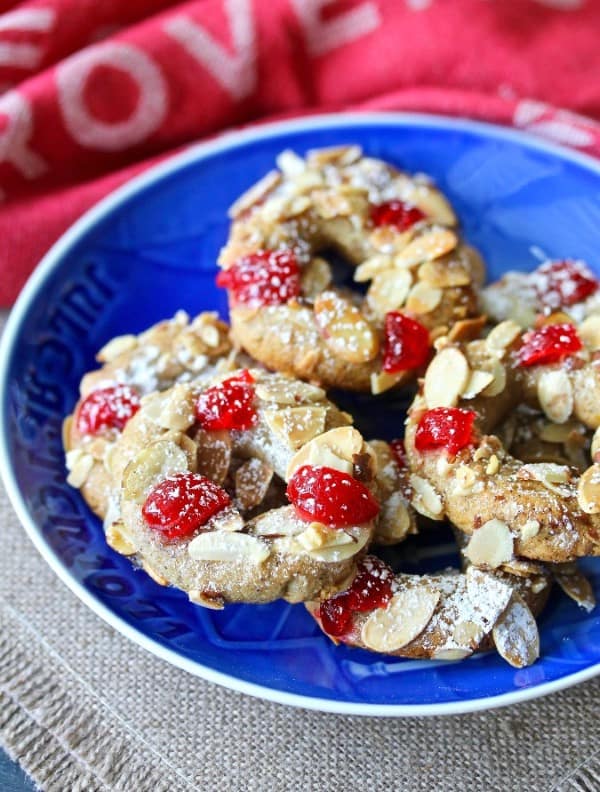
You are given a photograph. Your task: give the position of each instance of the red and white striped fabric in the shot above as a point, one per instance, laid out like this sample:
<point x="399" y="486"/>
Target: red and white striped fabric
<point x="92" y="91"/>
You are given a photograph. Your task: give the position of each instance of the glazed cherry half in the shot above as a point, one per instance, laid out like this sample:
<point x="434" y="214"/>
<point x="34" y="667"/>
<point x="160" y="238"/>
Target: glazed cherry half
<point x="267" y="277"/>
<point x="549" y="344"/>
<point x="107" y="408"/>
<point x="448" y="428"/>
<point x="406" y="345"/>
<point x="396" y="213"/>
<point x="228" y="405"/>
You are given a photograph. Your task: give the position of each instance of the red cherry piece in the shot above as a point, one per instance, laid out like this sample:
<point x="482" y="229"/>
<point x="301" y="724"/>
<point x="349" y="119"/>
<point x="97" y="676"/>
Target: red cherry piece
<point x="330" y="497"/>
<point x="449" y="428"/>
<point x="370" y="589"/>
<point x="268" y="277"/>
<point x="228" y="405"/>
<point x="181" y="504"/>
<point x="406" y="345"/>
<point x="107" y="408"/>
<point x="399" y="452"/>
<point x="564" y="283"/>
<point x="549" y="344"/>
<point x="396" y="213"/>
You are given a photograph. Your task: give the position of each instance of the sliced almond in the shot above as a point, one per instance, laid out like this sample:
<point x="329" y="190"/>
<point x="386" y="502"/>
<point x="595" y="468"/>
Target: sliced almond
<point x="595" y="449"/>
<point x="425" y="499"/>
<point x="295" y="426"/>
<point x="464" y="480"/>
<point x="158" y="461"/>
<point x="213" y="454"/>
<point x="381" y="381"/>
<point x="336" y="553"/>
<point x="333" y="155"/>
<point x="234" y="547"/>
<point x="588" y="490"/>
<point x="555" y="394"/>
<point x="252" y="481"/>
<point x="423" y="299"/>
<point x="451" y="654"/>
<point x="529" y="529"/>
<point x="575" y="585"/>
<point x="467" y="329"/>
<point x="589" y="332"/>
<point x="394" y="521"/>
<point x="335" y="448"/>
<point x="316" y="277"/>
<point x="554" y="477"/>
<point x="376" y="265"/>
<point x="388" y="291"/>
<point x="445" y="274"/>
<point x="428" y="246"/>
<point x="318" y="535"/>
<point x="491" y="545"/>
<point x="516" y="634"/>
<point x="171" y="409"/>
<point x="493" y="465"/>
<point x="156" y="576"/>
<point x="117" y="346"/>
<point x="288" y="391"/>
<point x="477" y="382"/>
<point x="255" y="194"/>
<point x="278" y="522"/>
<point x="446" y="378"/>
<point x="404" y="618"/>
<point x="558" y="433"/>
<point x="79" y="464"/>
<point x="206" y="599"/>
<point x="345" y="330"/>
<point x="116" y="539"/>
<point x="498" y="383"/>
<point x="503" y="335"/>
<point x="290" y="164"/>
<point x="433" y="204"/>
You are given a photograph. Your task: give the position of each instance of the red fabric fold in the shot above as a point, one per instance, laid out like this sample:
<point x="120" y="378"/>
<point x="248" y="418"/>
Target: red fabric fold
<point x="93" y="92"/>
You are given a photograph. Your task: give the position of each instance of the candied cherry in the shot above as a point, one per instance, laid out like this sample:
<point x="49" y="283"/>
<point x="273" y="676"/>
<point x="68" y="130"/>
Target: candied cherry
<point x="399" y="452"/>
<point x="549" y="344"/>
<point x="267" y="277"/>
<point x="449" y="428"/>
<point x="330" y="497"/>
<point x="107" y="408"/>
<point x="228" y="405"/>
<point x="406" y="345"/>
<point x="564" y="283"/>
<point x="370" y="589"/>
<point x="396" y="213"/>
<point x="182" y="503"/>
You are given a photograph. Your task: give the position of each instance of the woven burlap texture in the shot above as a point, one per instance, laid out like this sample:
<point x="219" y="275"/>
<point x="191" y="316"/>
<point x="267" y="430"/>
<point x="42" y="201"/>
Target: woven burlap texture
<point x="82" y="708"/>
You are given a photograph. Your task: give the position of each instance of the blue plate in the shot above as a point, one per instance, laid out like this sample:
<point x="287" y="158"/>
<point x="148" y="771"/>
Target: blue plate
<point x="150" y="249"/>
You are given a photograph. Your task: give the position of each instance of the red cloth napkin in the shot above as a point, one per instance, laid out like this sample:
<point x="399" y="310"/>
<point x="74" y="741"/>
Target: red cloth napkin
<point x="93" y="91"/>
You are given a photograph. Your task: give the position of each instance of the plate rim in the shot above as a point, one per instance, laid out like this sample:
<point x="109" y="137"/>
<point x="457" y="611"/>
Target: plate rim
<point x="51" y="261"/>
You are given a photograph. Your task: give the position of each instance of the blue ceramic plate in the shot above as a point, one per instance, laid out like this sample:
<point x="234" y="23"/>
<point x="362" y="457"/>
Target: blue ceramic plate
<point x="150" y="249"/>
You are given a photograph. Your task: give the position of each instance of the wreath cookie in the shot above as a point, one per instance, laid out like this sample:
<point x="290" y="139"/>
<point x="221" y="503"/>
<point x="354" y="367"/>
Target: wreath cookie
<point x="396" y="231"/>
<point x="246" y="490"/>
<point x="538" y="510"/>
<point x="133" y="366"/>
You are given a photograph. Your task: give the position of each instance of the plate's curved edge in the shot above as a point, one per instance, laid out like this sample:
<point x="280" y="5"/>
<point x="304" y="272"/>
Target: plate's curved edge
<point x="86" y="222"/>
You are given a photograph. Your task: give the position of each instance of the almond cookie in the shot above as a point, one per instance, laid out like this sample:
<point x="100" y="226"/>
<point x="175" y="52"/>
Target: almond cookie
<point x="397" y="232"/>
<point x="134" y="365"/>
<point x="248" y="489"/>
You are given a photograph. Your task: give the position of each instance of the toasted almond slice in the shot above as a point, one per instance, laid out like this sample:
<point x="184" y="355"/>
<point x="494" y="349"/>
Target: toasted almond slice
<point x="589" y="332"/>
<point x="288" y="391"/>
<point x="345" y="330"/>
<point x="79" y="464"/>
<point x="445" y="274"/>
<point x="117" y="346"/>
<point x="316" y="277"/>
<point x="493" y="465"/>
<point x="116" y="539"/>
<point x="477" y="382"/>
<point x="278" y="522"/>
<point x="558" y="433"/>
<point x="295" y="426"/>
<point x="423" y="299"/>
<point x="172" y="409"/>
<point x="156" y="576"/>
<point x="451" y="654"/>
<point x="255" y="194"/>
<point x="554" y="477"/>
<point x="498" y="382"/>
<point x="388" y="291"/>
<point x="464" y="480"/>
<point x="516" y="634"/>
<point x="333" y="155"/>
<point x="555" y="394"/>
<point x="235" y="547"/>
<point x="588" y="490"/>
<point x="425" y="499"/>
<point x="252" y="481"/>
<point x="595" y="449"/>
<point x="467" y="329"/>
<point x="290" y="164"/>
<point x="432" y="244"/>
<point x="214" y="453"/>
<point x="382" y="381"/>
<point x="446" y="378"/>
<point x="406" y="616"/>
<point x="431" y="201"/>
<point x="335" y="448"/>
<point x="153" y="464"/>
<point x="376" y="265"/>
<point x="575" y="585"/>
<point x="490" y="545"/>
<point x="394" y="522"/>
<point x="318" y="535"/>
<point x="333" y="555"/>
<point x="503" y="335"/>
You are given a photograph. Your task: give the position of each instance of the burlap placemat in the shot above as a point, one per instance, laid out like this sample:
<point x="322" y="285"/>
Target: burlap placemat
<point x="82" y="708"/>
